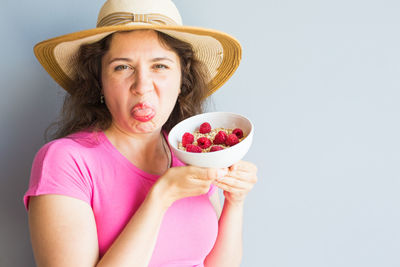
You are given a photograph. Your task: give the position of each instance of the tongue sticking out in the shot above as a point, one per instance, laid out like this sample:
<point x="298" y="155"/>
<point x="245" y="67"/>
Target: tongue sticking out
<point x="143" y="112"/>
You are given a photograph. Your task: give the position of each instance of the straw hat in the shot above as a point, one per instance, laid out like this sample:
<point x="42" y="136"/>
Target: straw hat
<point x="220" y="52"/>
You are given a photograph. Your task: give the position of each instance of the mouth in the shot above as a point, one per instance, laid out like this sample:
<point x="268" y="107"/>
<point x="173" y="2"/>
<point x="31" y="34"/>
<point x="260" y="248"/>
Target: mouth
<point x="143" y="112"/>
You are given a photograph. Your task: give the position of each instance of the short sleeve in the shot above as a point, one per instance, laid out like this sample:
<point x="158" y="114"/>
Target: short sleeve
<point x="59" y="168"/>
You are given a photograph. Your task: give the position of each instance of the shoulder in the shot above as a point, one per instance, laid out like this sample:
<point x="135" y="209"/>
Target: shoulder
<point x="75" y="148"/>
<point x="64" y="166"/>
<point x="74" y="143"/>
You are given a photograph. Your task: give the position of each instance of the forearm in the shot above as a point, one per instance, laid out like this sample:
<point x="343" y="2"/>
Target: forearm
<point x="227" y="250"/>
<point x="135" y="245"/>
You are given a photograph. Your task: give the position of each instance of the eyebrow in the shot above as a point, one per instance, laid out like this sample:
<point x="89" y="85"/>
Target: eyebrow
<point x="156" y="59"/>
<point x="119" y="59"/>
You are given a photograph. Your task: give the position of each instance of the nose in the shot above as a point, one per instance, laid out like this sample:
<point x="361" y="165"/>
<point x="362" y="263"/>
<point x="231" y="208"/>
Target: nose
<point x="142" y="83"/>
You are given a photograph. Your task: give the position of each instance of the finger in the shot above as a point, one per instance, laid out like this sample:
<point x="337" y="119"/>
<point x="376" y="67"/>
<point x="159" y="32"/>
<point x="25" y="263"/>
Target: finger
<point x="208" y="173"/>
<point x="219" y="173"/>
<point x="228" y="188"/>
<point x="234" y="183"/>
<point x="243" y="176"/>
<point x="245" y="166"/>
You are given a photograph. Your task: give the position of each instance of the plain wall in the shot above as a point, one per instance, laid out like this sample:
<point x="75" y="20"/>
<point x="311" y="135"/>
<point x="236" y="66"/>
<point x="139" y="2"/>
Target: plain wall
<point x="320" y="81"/>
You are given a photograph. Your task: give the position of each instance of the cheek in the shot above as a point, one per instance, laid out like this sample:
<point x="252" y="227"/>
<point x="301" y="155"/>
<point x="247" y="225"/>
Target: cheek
<point x="168" y="101"/>
<point x="113" y="89"/>
<point x="115" y="100"/>
<point x="167" y="104"/>
<point x="171" y="94"/>
<point x="171" y="88"/>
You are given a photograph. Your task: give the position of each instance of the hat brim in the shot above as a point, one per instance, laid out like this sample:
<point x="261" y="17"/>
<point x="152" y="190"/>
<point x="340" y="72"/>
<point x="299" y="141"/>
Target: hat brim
<point x="220" y="52"/>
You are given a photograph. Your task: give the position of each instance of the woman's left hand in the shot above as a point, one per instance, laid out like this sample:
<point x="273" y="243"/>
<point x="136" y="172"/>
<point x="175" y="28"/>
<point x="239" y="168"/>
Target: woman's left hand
<point x="240" y="180"/>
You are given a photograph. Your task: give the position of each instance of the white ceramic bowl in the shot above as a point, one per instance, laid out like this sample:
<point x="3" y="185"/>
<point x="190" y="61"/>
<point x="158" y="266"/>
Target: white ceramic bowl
<point x="218" y="159"/>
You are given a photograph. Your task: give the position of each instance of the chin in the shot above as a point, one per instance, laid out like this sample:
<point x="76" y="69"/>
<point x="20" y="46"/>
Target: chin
<point x="146" y="127"/>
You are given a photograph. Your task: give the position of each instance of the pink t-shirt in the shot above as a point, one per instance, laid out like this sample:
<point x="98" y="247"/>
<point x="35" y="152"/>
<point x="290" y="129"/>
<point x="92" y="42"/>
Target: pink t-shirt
<point x="88" y="167"/>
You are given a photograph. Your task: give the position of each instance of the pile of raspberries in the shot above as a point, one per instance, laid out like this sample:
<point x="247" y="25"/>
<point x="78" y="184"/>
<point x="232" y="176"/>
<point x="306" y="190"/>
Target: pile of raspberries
<point x="222" y="139"/>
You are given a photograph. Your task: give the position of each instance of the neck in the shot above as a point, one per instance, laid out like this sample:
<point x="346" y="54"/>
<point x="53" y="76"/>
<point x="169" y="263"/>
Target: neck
<point x="147" y="151"/>
<point x="140" y="142"/>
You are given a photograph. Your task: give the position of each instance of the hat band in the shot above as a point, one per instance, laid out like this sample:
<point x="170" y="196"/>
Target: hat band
<point x="120" y="18"/>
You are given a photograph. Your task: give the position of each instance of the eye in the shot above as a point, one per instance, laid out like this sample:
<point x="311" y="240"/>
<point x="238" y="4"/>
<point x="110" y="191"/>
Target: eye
<point x="160" y="66"/>
<point x="121" y="67"/>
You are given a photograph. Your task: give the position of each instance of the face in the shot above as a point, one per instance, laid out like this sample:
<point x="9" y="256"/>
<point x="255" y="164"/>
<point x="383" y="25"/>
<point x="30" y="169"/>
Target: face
<point x="141" y="81"/>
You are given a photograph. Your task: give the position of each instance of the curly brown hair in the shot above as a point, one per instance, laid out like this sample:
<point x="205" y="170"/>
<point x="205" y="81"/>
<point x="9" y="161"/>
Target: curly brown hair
<point x="82" y="108"/>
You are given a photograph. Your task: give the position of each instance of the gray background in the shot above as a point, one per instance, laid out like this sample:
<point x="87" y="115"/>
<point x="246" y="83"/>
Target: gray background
<point x="319" y="79"/>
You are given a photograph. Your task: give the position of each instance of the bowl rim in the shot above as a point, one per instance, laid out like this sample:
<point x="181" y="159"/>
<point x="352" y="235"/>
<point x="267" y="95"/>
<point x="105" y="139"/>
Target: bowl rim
<point x="175" y="147"/>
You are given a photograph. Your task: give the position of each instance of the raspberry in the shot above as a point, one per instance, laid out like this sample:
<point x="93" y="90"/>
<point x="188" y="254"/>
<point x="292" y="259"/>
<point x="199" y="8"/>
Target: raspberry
<point x="220" y="138"/>
<point x="205" y="128"/>
<point x="204" y="142"/>
<point x="187" y="138"/>
<point x="216" y="148"/>
<point x="193" y="148"/>
<point x="231" y="140"/>
<point x="238" y="132"/>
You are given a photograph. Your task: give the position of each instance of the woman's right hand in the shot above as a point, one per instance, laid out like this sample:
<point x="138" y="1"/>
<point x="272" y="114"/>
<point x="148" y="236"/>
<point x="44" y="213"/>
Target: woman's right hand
<point x="186" y="181"/>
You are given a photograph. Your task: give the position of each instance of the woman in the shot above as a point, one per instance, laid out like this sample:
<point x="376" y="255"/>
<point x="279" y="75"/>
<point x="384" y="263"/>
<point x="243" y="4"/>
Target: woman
<point x="108" y="190"/>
